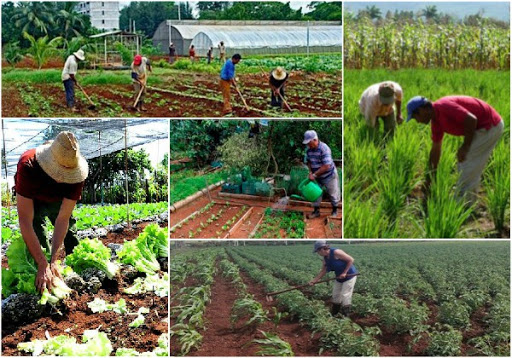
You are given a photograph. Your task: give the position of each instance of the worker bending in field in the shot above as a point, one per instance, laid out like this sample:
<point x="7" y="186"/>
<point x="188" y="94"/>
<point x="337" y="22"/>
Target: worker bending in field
<point x="140" y="67"/>
<point x="382" y="100"/>
<point x="342" y="264"/>
<point x="322" y="170"/>
<point x="479" y="124"/>
<point x="227" y="78"/>
<point x="277" y="81"/>
<point x="48" y="183"/>
<point x="68" y="77"/>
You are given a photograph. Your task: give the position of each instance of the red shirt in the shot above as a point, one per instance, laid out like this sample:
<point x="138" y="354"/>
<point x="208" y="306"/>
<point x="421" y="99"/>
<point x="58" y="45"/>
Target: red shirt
<point x="192" y="53"/>
<point x="451" y="112"/>
<point x="32" y="182"/>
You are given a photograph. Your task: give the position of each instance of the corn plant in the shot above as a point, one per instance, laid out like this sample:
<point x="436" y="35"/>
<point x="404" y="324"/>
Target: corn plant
<point x="188" y="337"/>
<point x="272" y="345"/>
<point x="248" y="308"/>
<point x="497" y="184"/>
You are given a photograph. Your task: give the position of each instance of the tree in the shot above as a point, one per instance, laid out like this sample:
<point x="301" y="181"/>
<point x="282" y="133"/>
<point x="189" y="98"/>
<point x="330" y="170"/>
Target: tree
<point x="69" y="22"/>
<point x="35" y="18"/>
<point x="10" y="33"/>
<point x="257" y="10"/>
<point x="324" y="11"/>
<point x="430" y="12"/>
<point x="42" y="49"/>
<point x="373" y="12"/>
<point x="147" y="15"/>
<point x="12" y="53"/>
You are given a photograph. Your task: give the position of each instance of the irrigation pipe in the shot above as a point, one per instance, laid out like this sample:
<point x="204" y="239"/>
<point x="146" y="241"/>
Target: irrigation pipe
<point x="193" y="197"/>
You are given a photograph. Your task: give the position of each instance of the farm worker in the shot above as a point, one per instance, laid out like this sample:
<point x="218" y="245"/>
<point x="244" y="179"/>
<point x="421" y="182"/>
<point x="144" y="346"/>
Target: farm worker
<point x="322" y="170"/>
<point x="140" y="67"/>
<point x="172" y="53"/>
<point x="227" y="78"/>
<point x="342" y="264"/>
<point x="479" y="124"/>
<point x="209" y="55"/>
<point x="192" y="53"/>
<point x="48" y="182"/>
<point x="68" y="77"/>
<point x="379" y="101"/>
<point x="277" y="81"/>
<point x="222" y="52"/>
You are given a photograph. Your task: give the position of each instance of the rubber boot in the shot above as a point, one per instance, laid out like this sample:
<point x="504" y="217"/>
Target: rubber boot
<point x="315" y="213"/>
<point x="335" y="309"/>
<point x="345" y="310"/>
<point x="334" y="212"/>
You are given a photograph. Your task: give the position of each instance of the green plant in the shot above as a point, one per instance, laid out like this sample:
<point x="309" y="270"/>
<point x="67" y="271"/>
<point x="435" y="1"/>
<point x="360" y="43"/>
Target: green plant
<point x="444" y="341"/>
<point x="272" y="345"/>
<point x="92" y="253"/>
<point x="13" y="53"/>
<point x="42" y="49"/>
<point x="248" y="307"/>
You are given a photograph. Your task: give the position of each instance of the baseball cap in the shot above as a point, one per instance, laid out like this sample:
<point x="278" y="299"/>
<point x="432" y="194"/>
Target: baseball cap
<point x="386" y="93"/>
<point x="319" y="244"/>
<point x="413" y="104"/>
<point x="309" y="136"/>
<point x="137" y="60"/>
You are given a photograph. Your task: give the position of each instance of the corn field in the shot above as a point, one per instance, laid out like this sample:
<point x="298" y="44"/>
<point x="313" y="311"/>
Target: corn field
<point x="383" y="196"/>
<point x="396" y="44"/>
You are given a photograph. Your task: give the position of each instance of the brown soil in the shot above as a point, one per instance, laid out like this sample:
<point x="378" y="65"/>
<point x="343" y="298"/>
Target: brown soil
<point x="316" y="95"/>
<point x="245" y="229"/>
<point x="11" y="99"/>
<point x="314" y="227"/>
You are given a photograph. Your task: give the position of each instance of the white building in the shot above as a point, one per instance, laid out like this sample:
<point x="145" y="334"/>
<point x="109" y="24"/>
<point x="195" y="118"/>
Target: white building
<point x="104" y="14"/>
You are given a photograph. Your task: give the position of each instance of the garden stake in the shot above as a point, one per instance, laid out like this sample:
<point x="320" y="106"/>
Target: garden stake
<point x="270" y="294"/>
<point x="92" y="106"/>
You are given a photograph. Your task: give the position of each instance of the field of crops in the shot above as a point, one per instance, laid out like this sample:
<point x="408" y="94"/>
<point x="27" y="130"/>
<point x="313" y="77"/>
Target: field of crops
<point x="185" y="90"/>
<point x="422" y="298"/>
<point x="396" y="45"/>
<point x="383" y="179"/>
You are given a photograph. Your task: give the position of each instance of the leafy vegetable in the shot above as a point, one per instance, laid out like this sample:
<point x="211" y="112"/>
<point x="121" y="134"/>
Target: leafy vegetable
<point x="92" y="253"/>
<point x="150" y="283"/>
<point x="139" y="321"/>
<point x="100" y="306"/>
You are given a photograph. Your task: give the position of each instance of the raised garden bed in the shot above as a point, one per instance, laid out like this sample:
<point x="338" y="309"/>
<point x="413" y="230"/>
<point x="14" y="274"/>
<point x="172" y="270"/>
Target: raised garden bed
<point x="280" y="224"/>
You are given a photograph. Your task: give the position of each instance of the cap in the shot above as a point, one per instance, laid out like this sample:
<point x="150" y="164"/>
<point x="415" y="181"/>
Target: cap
<point x="413" y="104"/>
<point x="387" y="93"/>
<point x="137" y="60"/>
<point x="309" y="136"/>
<point x="319" y="244"/>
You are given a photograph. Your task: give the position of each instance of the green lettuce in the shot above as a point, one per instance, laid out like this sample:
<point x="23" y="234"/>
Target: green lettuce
<point x="150" y="283"/>
<point x="99" y="306"/>
<point x="92" y="253"/>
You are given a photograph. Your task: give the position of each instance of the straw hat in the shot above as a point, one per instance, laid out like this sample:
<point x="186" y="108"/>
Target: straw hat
<point x="61" y="159"/>
<point x="279" y="73"/>
<point x="80" y="55"/>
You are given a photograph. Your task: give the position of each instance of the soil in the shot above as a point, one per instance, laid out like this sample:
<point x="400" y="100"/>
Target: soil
<point x="193" y="95"/>
<point x="11" y="99"/>
<point x="314" y="227"/>
<point x="75" y="317"/>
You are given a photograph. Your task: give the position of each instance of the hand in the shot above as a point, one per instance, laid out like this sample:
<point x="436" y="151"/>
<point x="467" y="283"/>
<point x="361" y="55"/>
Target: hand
<point x="311" y="177"/>
<point x="55" y="270"/>
<point x="342" y="276"/>
<point x="462" y="153"/>
<point x="44" y="278"/>
<point x="399" y="119"/>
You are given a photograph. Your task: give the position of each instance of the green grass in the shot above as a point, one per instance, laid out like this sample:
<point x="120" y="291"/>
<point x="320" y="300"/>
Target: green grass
<point x="382" y="190"/>
<point x="186" y="183"/>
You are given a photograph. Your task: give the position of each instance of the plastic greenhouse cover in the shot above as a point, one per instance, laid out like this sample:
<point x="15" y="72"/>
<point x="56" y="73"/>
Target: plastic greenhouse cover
<point x="267" y="36"/>
<point x="24" y="134"/>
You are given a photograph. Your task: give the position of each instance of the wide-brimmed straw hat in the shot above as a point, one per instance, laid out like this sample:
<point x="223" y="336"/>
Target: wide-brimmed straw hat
<point x="279" y="73"/>
<point x="61" y="159"/>
<point x="80" y="55"/>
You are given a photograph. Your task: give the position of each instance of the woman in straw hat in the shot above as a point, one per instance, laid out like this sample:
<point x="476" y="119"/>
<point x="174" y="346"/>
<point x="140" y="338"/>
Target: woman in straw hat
<point x="48" y="183"/>
<point x="277" y="80"/>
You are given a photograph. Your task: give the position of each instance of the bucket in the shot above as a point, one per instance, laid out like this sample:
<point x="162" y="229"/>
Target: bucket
<point x="310" y="190"/>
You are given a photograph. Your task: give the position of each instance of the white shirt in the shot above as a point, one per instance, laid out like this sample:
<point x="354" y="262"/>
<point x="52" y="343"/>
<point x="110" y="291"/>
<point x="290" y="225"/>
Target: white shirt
<point x="370" y="105"/>
<point x="70" y="68"/>
<point x="140" y="70"/>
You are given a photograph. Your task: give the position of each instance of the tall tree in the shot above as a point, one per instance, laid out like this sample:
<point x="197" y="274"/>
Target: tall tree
<point x="147" y="15"/>
<point x="324" y="11"/>
<point x="430" y="12"/>
<point x="42" y="48"/>
<point x="69" y="22"/>
<point x="36" y="18"/>
<point x="373" y="12"/>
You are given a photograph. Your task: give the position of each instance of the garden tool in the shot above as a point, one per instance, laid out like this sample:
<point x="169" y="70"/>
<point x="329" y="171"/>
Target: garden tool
<point x="138" y="96"/>
<point x="92" y="106"/>
<point x="278" y="91"/>
<point x="269" y="295"/>
<point x="242" y="97"/>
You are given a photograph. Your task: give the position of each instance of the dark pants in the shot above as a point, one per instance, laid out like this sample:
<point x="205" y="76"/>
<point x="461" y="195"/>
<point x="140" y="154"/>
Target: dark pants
<point x="69" y="86"/>
<point x="44" y="210"/>
<point x="276" y="101"/>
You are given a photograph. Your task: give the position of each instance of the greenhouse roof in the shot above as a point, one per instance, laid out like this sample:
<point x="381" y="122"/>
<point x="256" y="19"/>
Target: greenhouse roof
<point x="107" y="135"/>
<point x="251" y="36"/>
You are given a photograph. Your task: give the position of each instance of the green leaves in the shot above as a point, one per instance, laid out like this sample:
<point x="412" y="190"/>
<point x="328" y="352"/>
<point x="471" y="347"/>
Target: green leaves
<point x="92" y="253"/>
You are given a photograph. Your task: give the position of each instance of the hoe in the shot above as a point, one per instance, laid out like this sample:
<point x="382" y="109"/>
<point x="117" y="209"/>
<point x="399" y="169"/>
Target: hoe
<point x="269" y="295"/>
<point x="92" y="106"/>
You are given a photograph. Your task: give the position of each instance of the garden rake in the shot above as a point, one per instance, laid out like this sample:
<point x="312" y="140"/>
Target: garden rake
<point x="92" y="105"/>
<point x="269" y="295"/>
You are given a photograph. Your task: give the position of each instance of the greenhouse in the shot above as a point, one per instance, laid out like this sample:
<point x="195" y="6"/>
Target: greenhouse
<point x="250" y="37"/>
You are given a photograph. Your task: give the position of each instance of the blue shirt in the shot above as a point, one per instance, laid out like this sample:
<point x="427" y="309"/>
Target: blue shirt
<point x="228" y="71"/>
<point x="319" y="157"/>
<point x="338" y="266"/>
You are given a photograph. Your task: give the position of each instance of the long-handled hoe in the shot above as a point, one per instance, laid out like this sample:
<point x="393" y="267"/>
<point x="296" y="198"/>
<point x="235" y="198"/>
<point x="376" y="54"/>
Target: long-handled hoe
<point x="242" y="97"/>
<point x="269" y="295"/>
<point x="92" y="106"/>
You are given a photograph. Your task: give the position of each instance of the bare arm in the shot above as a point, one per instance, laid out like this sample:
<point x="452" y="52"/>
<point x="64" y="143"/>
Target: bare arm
<point x="321" y="274"/>
<point x="323" y="169"/>
<point x="469" y="132"/>
<point x="435" y="156"/>
<point x="399" y="118"/>
<point x="343" y="256"/>
<point x="61" y="226"/>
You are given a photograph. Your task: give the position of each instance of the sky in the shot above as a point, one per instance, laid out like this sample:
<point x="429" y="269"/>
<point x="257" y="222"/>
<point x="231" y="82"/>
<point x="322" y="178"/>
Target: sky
<point x="497" y="10"/>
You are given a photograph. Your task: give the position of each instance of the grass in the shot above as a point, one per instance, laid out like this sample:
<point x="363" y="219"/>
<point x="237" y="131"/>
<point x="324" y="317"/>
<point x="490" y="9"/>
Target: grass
<point x="187" y="182"/>
<point x="383" y="179"/>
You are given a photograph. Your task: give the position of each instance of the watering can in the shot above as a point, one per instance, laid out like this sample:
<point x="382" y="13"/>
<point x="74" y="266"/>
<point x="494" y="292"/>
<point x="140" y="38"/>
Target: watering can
<point x="310" y="190"/>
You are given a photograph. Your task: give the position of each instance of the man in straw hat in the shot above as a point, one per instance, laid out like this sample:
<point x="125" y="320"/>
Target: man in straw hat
<point x="48" y="182"/>
<point x="140" y="67"/>
<point x="323" y="171"/>
<point x="68" y="77"/>
<point x="277" y="80"/>
<point x="379" y="101"/>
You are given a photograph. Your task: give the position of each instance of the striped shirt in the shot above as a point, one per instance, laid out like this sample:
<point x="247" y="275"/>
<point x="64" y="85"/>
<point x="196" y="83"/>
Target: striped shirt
<point x="319" y="157"/>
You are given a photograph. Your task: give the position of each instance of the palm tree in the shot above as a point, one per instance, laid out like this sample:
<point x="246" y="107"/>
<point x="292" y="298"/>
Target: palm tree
<point x="12" y="53"/>
<point x="373" y="12"/>
<point x="33" y="17"/>
<point x="42" y="49"/>
<point x="430" y="12"/>
<point x="69" y="22"/>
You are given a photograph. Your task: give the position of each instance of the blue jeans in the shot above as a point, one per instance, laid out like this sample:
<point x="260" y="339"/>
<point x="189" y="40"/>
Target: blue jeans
<point x="69" y="86"/>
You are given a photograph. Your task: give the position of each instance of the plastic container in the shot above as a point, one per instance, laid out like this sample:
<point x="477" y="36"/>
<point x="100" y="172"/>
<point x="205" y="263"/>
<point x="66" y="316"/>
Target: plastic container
<point x="310" y="190"/>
